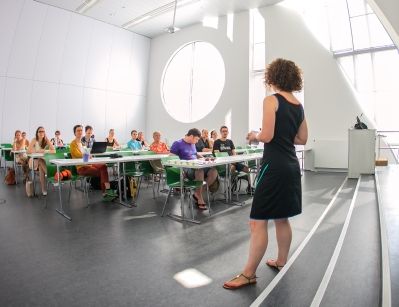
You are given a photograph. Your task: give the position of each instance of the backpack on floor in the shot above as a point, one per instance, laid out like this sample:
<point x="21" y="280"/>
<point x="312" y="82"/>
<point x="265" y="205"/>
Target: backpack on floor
<point x="9" y="179"/>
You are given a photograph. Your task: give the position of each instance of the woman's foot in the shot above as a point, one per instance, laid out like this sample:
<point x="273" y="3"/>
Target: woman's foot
<point x="201" y="205"/>
<point x="274" y="264"/>
<point x="44" y="193"/>
<point x="239" y="281"/>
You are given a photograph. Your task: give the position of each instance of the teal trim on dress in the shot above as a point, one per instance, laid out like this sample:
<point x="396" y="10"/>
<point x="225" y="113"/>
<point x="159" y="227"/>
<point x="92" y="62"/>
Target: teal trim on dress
<point x="261" y="175"/>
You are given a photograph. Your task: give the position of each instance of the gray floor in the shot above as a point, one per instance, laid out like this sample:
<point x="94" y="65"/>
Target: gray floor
<point x="111" y="255"/>
<point x="389" y="179"/>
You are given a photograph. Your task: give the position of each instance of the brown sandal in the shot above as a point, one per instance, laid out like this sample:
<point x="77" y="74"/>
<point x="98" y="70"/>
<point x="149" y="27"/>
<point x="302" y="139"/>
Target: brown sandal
<point x="251" y="281"/>
<point x="273" y="264"/>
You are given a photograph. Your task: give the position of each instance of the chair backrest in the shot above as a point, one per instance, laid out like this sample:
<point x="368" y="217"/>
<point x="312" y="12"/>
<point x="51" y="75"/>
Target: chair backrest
<point x="51" y="168"/>
<point x="172" y="173"/>
<point x="6" y="145"/>
<point x="62" y="149"/>
<point x="221" y="154"/>
<point x="8" y="156"/>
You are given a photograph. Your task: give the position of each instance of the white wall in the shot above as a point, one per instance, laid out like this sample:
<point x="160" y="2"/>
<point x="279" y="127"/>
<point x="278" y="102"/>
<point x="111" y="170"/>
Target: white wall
<point x="234" y="97"/>
<point x="330" y="104"/>
<point x="58" y="69"/>
<point x="388" y="13"/>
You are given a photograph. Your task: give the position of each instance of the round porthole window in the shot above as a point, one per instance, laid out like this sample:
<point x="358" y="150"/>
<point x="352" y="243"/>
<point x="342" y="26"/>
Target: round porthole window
<point x="193" y="81"/>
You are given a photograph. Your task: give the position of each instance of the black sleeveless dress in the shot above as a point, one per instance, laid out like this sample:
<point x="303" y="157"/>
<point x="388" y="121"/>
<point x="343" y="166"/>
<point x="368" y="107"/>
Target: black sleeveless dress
<point x="278" y="192"/>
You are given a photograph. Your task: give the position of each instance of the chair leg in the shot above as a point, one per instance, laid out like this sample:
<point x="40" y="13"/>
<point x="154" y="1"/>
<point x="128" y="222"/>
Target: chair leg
<point x="166" y="201"/>
<point x="86" y="191"/>
<point x="190" y="200"/>
<point x="153" y="185"/>
<point x="140" y="179"/>
<point x="207" y="195"/>
<point x="70" y="191"/>
<point x="45" y="199"/>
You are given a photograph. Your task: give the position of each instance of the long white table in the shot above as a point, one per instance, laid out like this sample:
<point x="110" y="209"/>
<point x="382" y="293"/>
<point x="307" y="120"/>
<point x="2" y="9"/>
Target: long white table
<point x="201" y="164"/>
<point x="101" y="160"/>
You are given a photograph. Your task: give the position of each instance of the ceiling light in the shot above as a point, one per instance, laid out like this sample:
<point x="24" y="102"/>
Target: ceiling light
<point x="87" y="4"/>
<point x="158" y="11"/>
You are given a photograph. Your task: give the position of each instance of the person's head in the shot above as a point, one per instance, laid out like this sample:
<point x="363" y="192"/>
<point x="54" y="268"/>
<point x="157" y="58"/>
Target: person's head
<point x="214" y="134"/>
<point x="88" y="131"/>
<point x="283" y="75"/>
<point x="204" y="133"/>
<point x="134" y="134"/>
<point x="57" y="133"/>
<point x="156" y="136"/>
<point x="78" y="131"/>
<point x="224" y="132"/>
<point x="111" y="132"/>
<point x="140" y="135"/>
<point x="41" y="137"/>
<point x="192" y="136"/>
<point x="18" y="135"/>
<point x="23" y="134"/>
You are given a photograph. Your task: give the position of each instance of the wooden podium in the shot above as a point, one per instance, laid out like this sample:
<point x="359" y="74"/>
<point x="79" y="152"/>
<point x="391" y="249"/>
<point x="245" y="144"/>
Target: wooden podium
<point x="361" y="152"/>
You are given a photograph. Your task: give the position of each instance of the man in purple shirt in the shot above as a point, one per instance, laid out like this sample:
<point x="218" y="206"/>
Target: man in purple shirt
<point x="185" y="149"/>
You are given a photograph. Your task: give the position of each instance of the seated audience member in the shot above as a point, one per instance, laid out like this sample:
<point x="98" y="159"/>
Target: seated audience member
<point x="203" y="143"/>
<point x="56" y="140"/>
<point x="158" y="146"/>
<point x="25" y="138"/>
<point x="111" y="140"/>
<point x="94" y="170"/>
<point x="223" y="144"/>
<point x="133" y="144"/>
<point x="21" y="158"/>
<point x="214" y="137"/>
<point x="185" y="149"/>
<point x="40" y="144"/>
<point x="88" y="139"/>
<point x="141" y="139"/>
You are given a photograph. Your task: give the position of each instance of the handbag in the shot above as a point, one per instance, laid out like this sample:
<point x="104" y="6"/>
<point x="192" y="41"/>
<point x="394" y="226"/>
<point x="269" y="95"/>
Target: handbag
<point x="29" y="188"/>
<point x="9" y="179"/>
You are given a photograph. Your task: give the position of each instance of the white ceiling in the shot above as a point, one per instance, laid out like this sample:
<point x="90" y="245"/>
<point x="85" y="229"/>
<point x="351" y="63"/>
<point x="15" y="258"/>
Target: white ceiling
<point x="119" y="12"/>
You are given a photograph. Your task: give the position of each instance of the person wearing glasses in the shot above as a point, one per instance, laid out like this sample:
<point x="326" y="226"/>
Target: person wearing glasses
<point x="56" y="140"/>
<point x="40" y="144"/>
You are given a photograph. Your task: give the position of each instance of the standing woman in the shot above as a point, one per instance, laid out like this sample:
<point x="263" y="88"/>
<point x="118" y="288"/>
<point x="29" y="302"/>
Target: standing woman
<point x="40" y="144"/>
<point x="278" y="193"/>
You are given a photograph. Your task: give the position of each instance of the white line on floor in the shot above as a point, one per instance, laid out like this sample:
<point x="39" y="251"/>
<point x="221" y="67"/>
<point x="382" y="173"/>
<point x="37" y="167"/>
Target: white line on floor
<point x="298" y="251"/>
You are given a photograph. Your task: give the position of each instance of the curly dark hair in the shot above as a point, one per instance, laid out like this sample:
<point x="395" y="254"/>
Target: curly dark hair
<point x="284" y="75"/>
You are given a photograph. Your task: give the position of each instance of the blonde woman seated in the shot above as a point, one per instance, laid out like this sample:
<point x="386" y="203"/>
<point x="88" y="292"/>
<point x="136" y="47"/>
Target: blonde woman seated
<point x="141" y="139"/>
<point x="214" y="137"/>
<point x="40" y="144"/>
<point x="111" y="140"/>
<point x="21" y="158"/>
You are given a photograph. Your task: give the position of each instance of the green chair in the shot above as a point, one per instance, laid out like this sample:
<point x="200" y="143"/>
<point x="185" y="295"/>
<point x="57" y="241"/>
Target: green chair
<point x="173" y="182"/>
<point x="6" y="154"/>
<point x="235" y="177"/>
<point x="51" y="171"/>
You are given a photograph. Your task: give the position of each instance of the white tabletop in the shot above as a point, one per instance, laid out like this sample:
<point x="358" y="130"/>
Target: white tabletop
<point x="199" y="163"/>
<point x="100" y="160"/>
<point x="19" y="151"/>
<point x="36" y="155"/>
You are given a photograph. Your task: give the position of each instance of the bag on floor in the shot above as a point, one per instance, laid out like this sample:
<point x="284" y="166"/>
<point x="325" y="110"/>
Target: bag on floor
<point x="214" y="187"/>
<point x="10" y="177"/>
<point x="133" y="187"/>
<point x="29" y="188"/>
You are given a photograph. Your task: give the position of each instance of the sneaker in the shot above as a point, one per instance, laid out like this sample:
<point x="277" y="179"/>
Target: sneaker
<point x="110" y="194"/>
<point x="44" y="193"/>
